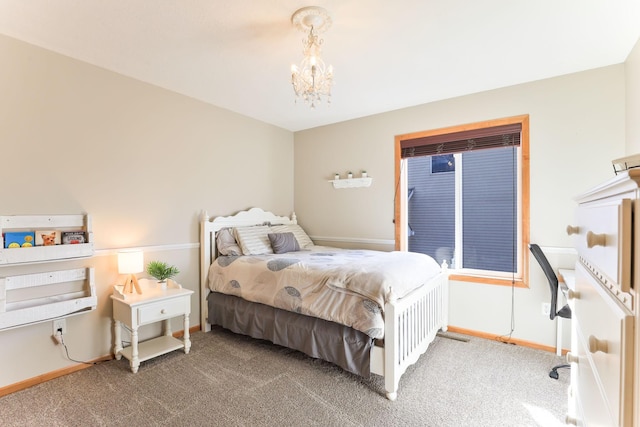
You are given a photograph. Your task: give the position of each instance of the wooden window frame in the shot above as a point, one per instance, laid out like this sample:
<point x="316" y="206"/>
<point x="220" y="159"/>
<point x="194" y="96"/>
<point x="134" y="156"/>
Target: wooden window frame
<point x="401" y="209"/>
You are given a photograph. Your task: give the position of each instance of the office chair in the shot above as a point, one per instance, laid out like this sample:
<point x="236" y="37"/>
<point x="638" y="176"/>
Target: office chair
<point x="564" y="312"/>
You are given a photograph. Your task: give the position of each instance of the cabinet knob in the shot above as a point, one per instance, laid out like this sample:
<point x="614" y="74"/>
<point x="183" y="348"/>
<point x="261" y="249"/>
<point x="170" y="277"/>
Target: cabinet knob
<point x="163" y="311"/>
<point x="572" y="421"/>
<point x="594" y="239"/>
<point x="572" y="230"/>
<point x="572" y="358"/>
<point x="571" y="294"/>
<point x="596" y="345"/>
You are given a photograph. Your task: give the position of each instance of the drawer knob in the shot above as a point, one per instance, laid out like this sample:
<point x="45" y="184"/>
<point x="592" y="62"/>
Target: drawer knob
<point x="594" y="239"/>
<point x="163" y="311"/>
<point x="572" y="421"/>
<point x="572" y="230"/>
<point x="572" y="358"/>
<point x="596" y="345"/>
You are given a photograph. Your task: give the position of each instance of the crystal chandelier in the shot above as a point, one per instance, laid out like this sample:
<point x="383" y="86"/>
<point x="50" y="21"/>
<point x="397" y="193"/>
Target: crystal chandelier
<point x="312" y="80"/>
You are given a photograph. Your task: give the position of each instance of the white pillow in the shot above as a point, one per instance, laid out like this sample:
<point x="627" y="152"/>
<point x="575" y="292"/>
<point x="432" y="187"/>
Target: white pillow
<point x="303" y="239"/>
<point x="253" y="240"/>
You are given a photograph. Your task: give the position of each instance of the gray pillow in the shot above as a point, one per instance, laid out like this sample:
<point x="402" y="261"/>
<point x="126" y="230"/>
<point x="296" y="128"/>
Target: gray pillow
<point x="303" y="239"/>
<point x="226" y="243"/>
<point x="283" y="242"/>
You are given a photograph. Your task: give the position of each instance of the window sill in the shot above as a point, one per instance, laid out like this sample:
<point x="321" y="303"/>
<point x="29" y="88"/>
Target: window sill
<point x="518" y="283"/>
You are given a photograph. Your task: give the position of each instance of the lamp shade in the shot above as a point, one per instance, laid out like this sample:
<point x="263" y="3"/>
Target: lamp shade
<point x="130" y="262"/>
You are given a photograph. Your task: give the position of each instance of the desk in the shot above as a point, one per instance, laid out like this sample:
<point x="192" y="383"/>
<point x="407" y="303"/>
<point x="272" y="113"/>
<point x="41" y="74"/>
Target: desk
<point x="567" y="282"/>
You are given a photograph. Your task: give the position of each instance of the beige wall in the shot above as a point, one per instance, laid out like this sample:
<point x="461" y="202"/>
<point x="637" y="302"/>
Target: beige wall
<point x="141" y="160"/>
<point x="632" y="74"/>
<point x="577" y="127"/>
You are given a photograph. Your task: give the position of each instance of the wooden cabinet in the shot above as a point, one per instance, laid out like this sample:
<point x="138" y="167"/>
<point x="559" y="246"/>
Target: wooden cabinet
<point x="604" y="354"/>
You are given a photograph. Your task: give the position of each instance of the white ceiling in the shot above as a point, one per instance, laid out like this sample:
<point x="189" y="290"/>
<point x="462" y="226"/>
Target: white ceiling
<point x="386" y="55"/>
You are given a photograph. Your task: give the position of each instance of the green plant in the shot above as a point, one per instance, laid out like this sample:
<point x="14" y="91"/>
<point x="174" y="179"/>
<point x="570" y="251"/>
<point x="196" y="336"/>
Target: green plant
<point x="161" y="270"/>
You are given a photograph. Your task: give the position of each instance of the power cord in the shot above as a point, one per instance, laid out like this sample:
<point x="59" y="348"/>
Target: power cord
<point x="506" y="339"/>
<point x="60" y="338"/>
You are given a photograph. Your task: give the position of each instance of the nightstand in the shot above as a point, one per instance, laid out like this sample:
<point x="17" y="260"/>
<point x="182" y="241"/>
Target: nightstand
<point x="158" y="302"/>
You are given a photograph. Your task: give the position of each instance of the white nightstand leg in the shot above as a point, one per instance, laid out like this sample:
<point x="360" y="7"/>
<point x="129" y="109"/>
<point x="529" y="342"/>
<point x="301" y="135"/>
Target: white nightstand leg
<point x="135" y="362"/>
<point x="187" y="341"/>
<point x="117" y="337"/>
<point x="167" y="327"/>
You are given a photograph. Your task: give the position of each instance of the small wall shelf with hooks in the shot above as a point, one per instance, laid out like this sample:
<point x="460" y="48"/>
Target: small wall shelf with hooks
<point x="351" y="182"/>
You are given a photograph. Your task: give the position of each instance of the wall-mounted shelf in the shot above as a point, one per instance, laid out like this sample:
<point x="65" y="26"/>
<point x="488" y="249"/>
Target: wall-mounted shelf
<point x="351" y="182"/>
<point x="10" y="256"/>
<point x="34" y="298"/>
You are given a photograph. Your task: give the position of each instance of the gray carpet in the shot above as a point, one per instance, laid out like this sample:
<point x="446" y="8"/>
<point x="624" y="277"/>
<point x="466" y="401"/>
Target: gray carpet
<point x="230" y="380"/>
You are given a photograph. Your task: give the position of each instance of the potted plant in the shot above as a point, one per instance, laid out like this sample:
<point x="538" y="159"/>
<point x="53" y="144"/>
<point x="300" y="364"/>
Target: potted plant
<point x="161" y="270"/>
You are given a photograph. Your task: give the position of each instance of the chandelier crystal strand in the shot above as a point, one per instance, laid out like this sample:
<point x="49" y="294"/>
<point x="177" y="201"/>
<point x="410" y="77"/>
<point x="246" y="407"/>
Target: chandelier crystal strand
<point x="312" y="80"/>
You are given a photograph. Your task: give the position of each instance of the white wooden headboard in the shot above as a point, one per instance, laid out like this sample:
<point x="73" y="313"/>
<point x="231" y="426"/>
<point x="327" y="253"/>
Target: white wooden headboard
<point x="208" y="252"/>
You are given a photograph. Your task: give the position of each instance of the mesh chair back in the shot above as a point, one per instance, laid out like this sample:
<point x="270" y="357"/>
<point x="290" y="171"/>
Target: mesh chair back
<point x="551" y="277"/>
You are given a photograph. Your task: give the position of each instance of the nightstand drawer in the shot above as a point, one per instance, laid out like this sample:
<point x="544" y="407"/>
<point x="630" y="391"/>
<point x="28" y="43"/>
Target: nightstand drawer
<point x="154" y="312"/>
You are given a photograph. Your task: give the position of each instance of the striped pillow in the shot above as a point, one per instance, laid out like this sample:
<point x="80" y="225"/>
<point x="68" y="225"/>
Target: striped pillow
<point x="253" y="240"/>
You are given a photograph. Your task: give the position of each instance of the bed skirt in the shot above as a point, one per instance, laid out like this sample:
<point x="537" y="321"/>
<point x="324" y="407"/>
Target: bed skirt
<point x="346" y="347"/>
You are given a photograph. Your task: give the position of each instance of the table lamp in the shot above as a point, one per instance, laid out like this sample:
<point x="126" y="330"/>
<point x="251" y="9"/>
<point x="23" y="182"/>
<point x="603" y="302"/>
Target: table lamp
<point x="131" y="262"/>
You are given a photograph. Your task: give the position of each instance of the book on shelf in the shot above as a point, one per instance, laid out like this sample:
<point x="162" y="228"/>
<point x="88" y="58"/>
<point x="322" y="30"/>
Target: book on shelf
<point x="18" y="239"/>
<point x="47" y="237"/>
<point x="73" y="237"/>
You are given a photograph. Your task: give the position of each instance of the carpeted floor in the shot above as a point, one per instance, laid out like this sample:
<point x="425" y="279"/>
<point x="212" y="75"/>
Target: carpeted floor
<point x="231" y="380"/>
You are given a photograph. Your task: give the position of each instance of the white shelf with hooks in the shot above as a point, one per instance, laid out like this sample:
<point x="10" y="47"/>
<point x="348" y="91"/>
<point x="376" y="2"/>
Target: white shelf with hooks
<point x="351" y="182"/>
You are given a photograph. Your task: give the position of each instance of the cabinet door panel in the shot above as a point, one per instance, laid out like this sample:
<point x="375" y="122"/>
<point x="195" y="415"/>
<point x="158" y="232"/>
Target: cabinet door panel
<point x="593" y="407"/>
<point x="602" y="242"/>
<point x="605" y="328"/>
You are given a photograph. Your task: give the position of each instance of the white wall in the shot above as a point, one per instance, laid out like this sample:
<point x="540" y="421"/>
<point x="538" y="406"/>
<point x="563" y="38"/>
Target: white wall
<point x="577" y="125"/>
<point x="632" y="74"/>
<point x="142" y="161"/>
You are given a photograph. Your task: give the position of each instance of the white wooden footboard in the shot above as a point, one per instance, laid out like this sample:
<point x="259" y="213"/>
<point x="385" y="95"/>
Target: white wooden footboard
<point x="411" y="324"/>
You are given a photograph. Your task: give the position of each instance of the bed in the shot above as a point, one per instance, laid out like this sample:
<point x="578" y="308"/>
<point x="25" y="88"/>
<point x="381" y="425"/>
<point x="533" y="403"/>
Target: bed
<point x="361" y="310"/>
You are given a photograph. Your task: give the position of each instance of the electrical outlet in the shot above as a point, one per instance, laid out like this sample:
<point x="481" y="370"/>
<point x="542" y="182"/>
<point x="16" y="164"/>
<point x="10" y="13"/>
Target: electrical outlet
<point x="59" y="329"/>
<point x="546" y="308"/>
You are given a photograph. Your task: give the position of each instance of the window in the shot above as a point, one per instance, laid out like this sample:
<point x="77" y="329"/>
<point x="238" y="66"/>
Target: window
<point x="467" y="198"/>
